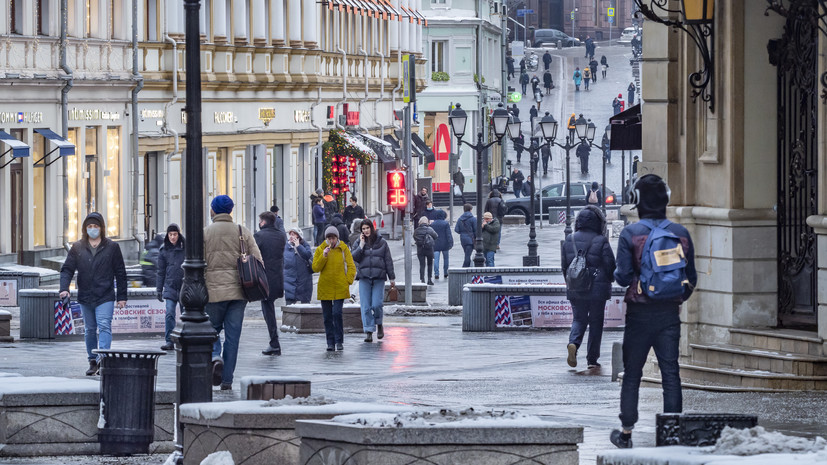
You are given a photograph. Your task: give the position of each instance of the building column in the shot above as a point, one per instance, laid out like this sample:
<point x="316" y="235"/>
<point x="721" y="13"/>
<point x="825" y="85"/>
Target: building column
<point x="310" y="13"/>
<point x="240" y="36"/>
<point x="393" y="31"/>
<point x="295" y="27"/>
<point x="219" y="21"/>
<point x="259" y="35"/>
<point x="277" y="37"/>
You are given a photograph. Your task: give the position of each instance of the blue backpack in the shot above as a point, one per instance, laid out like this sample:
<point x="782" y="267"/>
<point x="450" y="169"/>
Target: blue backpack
<point x="662" y="264"/>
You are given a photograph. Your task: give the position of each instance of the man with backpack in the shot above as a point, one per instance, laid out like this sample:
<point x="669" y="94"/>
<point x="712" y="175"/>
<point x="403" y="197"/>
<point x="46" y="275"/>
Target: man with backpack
<point x="594" y="194"/>
<point x="656" y="260"/>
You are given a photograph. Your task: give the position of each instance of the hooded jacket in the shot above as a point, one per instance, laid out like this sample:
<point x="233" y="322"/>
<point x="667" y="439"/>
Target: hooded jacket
<point x="490" y="235"/>
<point x="271" y="242"/>
<point x="170" y="258"/>
<point x="420" y="237"/>
<point x="466" y="227"/>
<point x="588" y="236"/>
<point x="444" y="240"/>
<point x="336" y="271"/>
<point x="96" y="272"/>
<point x="373" y="261"/>
<point x="221" y="251"/>
<point x="298" y="277"/>
<point x="339" y="223"/>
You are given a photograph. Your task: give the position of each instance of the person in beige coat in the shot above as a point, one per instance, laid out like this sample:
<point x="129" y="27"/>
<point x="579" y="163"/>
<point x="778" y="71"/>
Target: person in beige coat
<point x="227" y="303"/>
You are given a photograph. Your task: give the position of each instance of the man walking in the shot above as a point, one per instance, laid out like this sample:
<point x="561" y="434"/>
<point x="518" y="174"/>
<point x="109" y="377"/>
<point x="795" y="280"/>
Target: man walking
<point x="227" y="302"/>
<point x="517" y="179"/>
<point x="466" y="227"/>
<point x="271" y="242"/>
<point x="546" y="153"/>
<point x="547" y="60"/>
<point x="459" y="181"/>
<point x="653" y="299"/>
<point x="490" y="237"/>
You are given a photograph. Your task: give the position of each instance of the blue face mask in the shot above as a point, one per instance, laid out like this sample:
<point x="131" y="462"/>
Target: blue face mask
<point x="430" y="208"/>
<point x="93" y="233"/>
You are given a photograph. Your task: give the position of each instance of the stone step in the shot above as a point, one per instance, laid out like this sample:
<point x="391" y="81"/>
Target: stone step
<point x="783" y="340"/>
<point x="748" y="358"/>
<point x="698" y="376"/>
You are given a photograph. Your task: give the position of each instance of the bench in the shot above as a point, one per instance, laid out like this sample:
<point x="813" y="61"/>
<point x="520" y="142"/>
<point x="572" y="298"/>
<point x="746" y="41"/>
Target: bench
<point x="266" y="388"/>
<point x="459" y="277"/>
<point x="5" y="326"/>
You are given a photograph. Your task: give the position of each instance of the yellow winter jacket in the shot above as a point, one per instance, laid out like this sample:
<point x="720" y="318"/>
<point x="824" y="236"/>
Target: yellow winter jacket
<point x="334" y="278"/>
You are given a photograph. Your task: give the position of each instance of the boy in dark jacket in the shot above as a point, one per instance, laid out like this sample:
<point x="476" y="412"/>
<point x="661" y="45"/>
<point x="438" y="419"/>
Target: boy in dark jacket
<point x="424" y="236"/>
<point x="466" y="227"/>
<point x="490" y="237"/>
<point x="271" y="242"/>
<point x="444" y="242"/>
<point x="169" y="279"/>
<point x="588" y="307"/>
<point x="650" y="324"/>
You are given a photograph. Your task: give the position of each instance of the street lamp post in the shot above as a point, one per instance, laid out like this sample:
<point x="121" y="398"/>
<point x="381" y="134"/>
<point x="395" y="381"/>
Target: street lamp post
<point x="549" y="127"/>
<point x="584" y="130"/>
<point x="607" y="139"/>
<point x="193" y="335"/>
<point x="458" y="119"/>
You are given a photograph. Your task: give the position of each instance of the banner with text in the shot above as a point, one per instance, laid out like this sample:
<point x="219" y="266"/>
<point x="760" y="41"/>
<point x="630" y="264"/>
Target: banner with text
<point x="139" y="316"/>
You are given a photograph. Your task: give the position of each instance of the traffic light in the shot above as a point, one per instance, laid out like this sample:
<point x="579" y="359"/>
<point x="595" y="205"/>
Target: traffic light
<point x="397" y="196"/>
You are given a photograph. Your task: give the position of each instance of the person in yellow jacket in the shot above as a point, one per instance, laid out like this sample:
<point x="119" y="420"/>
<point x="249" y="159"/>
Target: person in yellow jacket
<point x="336" y="269"/>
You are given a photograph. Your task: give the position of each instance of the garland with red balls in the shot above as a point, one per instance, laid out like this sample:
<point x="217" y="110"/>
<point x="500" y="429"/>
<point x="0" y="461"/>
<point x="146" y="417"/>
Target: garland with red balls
<point x="339" y="161"/>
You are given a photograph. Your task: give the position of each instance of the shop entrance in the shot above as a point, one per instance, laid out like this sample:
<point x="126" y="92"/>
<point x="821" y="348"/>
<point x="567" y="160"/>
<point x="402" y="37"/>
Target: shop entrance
<point x="153" y="199"/>
<point x="17" y="209"/>
<point x="91" y="173"/>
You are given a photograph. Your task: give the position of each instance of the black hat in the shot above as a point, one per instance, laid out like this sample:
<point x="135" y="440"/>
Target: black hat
<point x="173" y="227"/>
<point x="651" y="196"/>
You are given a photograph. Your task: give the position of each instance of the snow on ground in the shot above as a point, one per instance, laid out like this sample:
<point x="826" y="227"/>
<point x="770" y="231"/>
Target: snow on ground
<point x="754" y="441"/>
<point x="219" y="458"/>
<point x="46" y="385"/>
<point x="313" y="405"/>
<point x="445" y="419"/>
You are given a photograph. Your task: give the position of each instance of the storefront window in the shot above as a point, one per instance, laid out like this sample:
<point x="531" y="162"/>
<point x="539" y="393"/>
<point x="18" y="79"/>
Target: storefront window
<point x="111" y="176"/>
<point x="91" y="174"/>
<point x="223" y="172"/>
<point x="72" y="180"/>
<point x="39" y="191"/>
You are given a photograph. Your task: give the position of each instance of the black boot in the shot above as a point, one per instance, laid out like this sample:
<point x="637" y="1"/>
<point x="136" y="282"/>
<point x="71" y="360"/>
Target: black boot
<point x="93" y="368"/>
<point x="380" y="332"/>
<point x="368" y="336"/>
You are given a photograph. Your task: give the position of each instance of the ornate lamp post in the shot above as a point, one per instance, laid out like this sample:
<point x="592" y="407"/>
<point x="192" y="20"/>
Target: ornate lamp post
<point x="457" y="120"/>
<point x="607" y="135"/>
<point x="193" y="335"/>
<point x="549" y="127"/>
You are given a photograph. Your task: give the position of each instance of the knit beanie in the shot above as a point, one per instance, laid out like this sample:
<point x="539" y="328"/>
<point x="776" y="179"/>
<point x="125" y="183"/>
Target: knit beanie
<point x="331" y="231"/>
<point x="222" y="204"/>
<point x="653" y="196"/>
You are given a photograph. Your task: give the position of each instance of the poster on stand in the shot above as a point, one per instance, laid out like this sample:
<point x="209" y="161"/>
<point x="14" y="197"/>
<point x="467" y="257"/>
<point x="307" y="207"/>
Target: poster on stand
<point x="521" y="279"/>
<point x="549" y="311"/>
<point x="8" y="293"/>
<point x="139" y="316"/>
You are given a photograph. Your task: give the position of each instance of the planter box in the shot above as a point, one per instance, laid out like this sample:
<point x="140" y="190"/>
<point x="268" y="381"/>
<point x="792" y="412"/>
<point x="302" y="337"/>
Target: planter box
<point x="307" y="318"/>
<point x="419" y="293"/>
<point x="269" y="387"/>
<point x="5" y="326"/>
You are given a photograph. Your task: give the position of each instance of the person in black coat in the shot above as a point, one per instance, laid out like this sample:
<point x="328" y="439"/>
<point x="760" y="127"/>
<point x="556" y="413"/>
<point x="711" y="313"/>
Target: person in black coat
<point x="444" y="242"/>
<point x="631" y="89"/>
<point x="548" y="82"/>
<point x="99" y="264"/>
<point x="149" y="260"/>
<point x="339" y="223"/>
<point x="532" y="114"/>
<point x="353" y="212"/>
<point x="528" y="187"/>
<point x="466" y="227"/>
<point x="546" y="154"/>
<point x="271" y="242"/>
<point x="374" y="265"/>
<point x="420" y="201"/>
<point x="424" y="237"/>
<point x="547" y="60"/>
<point x="509" y="63"/>
<point x="519" y="143"/>
<point x="593" y="66"/>
<point x="279" y="221"/>
<point x="583" y="151"/>
<point x="496" y="207"/>
<point x="169" y="279"/>
<point x="517" y="179"/>
<point x="589" y="306"/>
<point x="524" y="79"/>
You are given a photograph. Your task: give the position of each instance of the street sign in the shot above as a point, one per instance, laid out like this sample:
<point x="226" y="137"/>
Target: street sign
<point x="408" y="79"/>
<point x="611" y="19"/>
<point x="572" y="15"/>
<point x="524" y="11"/>
<point x="397" y="196"/>
<point x="611" y="12"/>
<point x="514" y="97"/>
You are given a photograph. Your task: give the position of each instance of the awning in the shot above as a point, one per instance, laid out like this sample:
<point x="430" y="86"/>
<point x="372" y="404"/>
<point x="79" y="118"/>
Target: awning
<point x="392" y="140"/>
<point x="17" y="148"/>
<point x="383" y="149"/>
<point x="64" y="147"/>
<point x="393" y="12"/>
<point x="423" y="148"/>
<point x="626" y="129"/>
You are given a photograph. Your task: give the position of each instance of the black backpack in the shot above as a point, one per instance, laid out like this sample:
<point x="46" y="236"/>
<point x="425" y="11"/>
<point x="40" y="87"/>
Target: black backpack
<point x="578" y="275"/>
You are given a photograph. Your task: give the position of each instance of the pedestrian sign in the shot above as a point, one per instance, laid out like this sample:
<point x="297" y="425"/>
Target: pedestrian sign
<point x="572" y="15"/>
<point x="408" y="79"/>
<point x="611" y="19"/>
<point x="514" y="97"/>
<point x="611" y="12"/>
<point x="523" y="11"/>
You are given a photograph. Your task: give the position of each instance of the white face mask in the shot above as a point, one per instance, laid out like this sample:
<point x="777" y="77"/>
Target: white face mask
<point x="93" y="233"/>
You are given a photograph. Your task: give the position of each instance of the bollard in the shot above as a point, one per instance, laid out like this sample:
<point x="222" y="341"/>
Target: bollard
<point x="127" y="400"/>
<point x="617" y="359"/>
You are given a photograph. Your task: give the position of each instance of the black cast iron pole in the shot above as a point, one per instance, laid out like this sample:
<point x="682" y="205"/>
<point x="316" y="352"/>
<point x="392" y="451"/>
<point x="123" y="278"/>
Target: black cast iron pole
<point x="622" y="174"/>
<point x="193" y="335"/>
<point x="532" y="259"/>
<point x="603" y="186"/>
<point x="568" y="148"/>
<point x="479" y="256"/>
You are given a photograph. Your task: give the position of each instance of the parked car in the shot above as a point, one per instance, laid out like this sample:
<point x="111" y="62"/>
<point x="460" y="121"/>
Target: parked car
<point x="551" y="36"/>
<point x="554" y="195"/>
<point x="626" y="35"/>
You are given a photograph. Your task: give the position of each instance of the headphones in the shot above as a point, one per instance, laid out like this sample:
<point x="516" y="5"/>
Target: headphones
<point x="634" y="195"/>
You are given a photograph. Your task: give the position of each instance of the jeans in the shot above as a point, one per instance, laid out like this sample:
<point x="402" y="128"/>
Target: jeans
<point x="468" y="249"/>
<point x="268" y="309"/>
<point x="426" y="261"/>
<point x="489" y="258"/>
<point x="229" y="316"/>
<point x="660" y="330"/>
<point x="524" y="88"/>
<point x="517" y="192"/>
<point x="371" y="298"/>
<point x="97" y="324"/>
<point x="586" y="82"/>
<point x="444" y="254"/>
<point x="588" y="313"/>
<point x="318" y="233"/>
<point x="545" y="164"/>
<point x="169" y="319"/>
<point x="333" y="325"/>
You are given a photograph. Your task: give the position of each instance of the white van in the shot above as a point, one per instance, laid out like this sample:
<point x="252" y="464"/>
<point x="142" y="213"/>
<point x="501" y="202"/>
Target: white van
<point x="626" y="35"/>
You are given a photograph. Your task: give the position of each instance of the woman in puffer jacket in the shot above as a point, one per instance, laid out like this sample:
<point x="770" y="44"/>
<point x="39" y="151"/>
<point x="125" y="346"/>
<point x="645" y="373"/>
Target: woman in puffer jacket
<point x="374" y="265"/>
<point x="589" y="306"/>
<point x="298" y="274"/>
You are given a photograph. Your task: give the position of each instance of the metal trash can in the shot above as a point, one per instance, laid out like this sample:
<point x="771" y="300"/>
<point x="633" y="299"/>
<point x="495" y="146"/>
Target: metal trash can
<point x="127" y="421"/>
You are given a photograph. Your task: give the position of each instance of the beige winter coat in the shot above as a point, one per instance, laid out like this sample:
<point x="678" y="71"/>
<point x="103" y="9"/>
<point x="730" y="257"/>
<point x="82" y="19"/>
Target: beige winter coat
<point x="221" y="250"/>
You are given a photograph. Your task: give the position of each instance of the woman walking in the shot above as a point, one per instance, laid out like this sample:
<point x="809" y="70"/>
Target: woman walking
<point x="374" y="266"/>
<point x="604" y="65"/>
<point x="336" y="269"/>
<point x="588" y="305"/>
<point x="548" y="82"/>
<point x="99" y="264"/>
<point x="424" y="236"/>
<point x="298" y="271"/>
<point x="170" y="275"/>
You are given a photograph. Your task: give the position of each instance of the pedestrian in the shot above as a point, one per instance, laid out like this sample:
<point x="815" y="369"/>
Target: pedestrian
<point x="424" y="236"/>
<point x="319" y="221"/>
<point x="522" y="66"/>
<point x="538" y="97"/>
<point x="334" y="263"/>
<point x="587" y="44"/>
<point x="149" y="260"/>
<point x="604" y="65"/>
<point x="524" y="79"/>
<point x="652" y="320"/>
<point x="626" y="190"/>
<point x="517" y="179"/>
<point x="271" y="243"/>
<point x="547" y="60"/>
<point x="99" y="265"/>
<point x="605" y="145"/>
<point x="587" y="77"/>
<point x="594" y="195"/>
<point x="532" y="114"/>
<point x="514" y="110"/>
<point x="355" y="232"/>
<point x="583" y="151"/>
<point x="490" y="237"/>
<point x="169" y="279"/>
<point x="509" y="62"/>
<point x="331" y="205"/>
<point x="466" y="227"/>
<point x="353" y="212"/>
<point x="618" y="104"/>
<point x="588" y="304"/>
<point x="227" y="301"/>
<point x="593" y="67"/>
<point x="535" y="84"/>
<point x="459" y="182"/>
<point x="518" y="145"/>
<point x="496" y="207"/>
<point x="631" y="89"/>
<point x="339" y="223"/>
<point x="578" y="78"/>
<point x="430" y="211"/>
<point x="298" y="269"/>
<point x="420" y="202"/>
<point x="279" y="222"/>
<point x="548" y="82"/>
<point x="635" y="164"/>
<point x="528" y="187"/>
<point x="374" y="265"/>
<point x="546" y="154"/>
<point x="443" y="244"/>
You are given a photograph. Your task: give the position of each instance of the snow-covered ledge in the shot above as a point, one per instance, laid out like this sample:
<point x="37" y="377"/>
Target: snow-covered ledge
<point x="819" y="224"/>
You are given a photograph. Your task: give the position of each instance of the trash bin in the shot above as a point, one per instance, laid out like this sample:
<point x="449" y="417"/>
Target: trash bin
<point x="127" y="420"/>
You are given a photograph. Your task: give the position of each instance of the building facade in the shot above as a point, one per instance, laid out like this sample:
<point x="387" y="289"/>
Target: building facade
<point x="577" y="18"/>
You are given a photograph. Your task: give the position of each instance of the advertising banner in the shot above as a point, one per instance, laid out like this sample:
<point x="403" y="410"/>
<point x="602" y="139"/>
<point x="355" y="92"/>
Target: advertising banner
<point x="549" y="311"/>
<point x="8" y="293"/>
<point x="532" y="279"/>
<point x="139" y="316"/>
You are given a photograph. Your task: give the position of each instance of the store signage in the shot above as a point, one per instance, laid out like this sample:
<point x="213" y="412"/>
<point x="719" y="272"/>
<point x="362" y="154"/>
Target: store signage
<point x="266" y="115"/>
<point x="152" y="113"/>
<point x="77" y="114"/>
<point x="224" y="117"/>
<point x="352" y="118"/>
<point x="21" y="117"/>
<point x="139" y="316"/>
<point x="301" y="116"/>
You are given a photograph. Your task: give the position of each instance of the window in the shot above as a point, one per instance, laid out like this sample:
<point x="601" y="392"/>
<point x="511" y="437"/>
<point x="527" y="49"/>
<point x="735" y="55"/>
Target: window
<point x="438" y="55"/>
<point x="151" y="20"/>
<point x="91" y="160"/>
<point x="223" y="172"/>
<point x="553" y="191"/>
<point x="228" y="19"/>
<point x="39" y="190"/>
<point x="578" y="189"/>
<point x="438" y="2"/>
<point x="16" y="16"/>
<point x="91" y="17"/>
<point x="207" y="29"/>
<point x="111" y="180"/>
<point x="72" y="181"/>
<point x="43" y="17"/>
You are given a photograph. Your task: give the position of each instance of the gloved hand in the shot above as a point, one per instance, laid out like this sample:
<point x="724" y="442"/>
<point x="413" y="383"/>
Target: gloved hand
<point x="160" y="296"/>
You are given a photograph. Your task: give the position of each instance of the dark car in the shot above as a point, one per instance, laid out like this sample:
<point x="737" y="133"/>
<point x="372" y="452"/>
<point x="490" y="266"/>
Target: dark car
<point x="552" y="36"/>
<point x="554" y="195"/>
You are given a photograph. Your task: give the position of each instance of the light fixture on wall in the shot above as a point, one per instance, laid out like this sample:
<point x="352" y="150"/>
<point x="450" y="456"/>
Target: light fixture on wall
<point x="820" y="21"/>
<point x="697" y="19"/>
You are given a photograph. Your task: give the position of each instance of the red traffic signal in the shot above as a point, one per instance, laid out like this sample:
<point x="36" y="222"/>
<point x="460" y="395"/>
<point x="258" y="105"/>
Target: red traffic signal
<point x="397" y="195"/>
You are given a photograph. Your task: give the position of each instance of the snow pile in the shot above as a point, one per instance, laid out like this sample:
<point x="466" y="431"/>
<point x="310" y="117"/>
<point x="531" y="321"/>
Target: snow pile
<point x="442" y="418"/>
<point x="173" y="458"/>
<point x="289" y="400"/>
<point x="289" y="329"/>
<point x="222" y="457"/>
<point x="757" y="440"/>
<point x="101" y="419"/>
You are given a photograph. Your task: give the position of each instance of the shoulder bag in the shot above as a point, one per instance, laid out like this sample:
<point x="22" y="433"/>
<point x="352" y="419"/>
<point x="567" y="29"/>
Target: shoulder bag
<point x="251" y="274"/>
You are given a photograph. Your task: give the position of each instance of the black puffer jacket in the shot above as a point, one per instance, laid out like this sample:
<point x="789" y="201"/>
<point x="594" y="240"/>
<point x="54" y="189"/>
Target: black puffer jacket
<point x="96" y="274"/>
<point x="373" y="261"/>
<point x="589" y="236"/>
<point x="271" y="242"/>
<point x="170" y="273"/>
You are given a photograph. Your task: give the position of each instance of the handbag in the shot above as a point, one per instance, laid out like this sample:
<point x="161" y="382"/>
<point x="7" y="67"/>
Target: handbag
<point x="393" y="293"/>
<point x="251" y="274"/>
